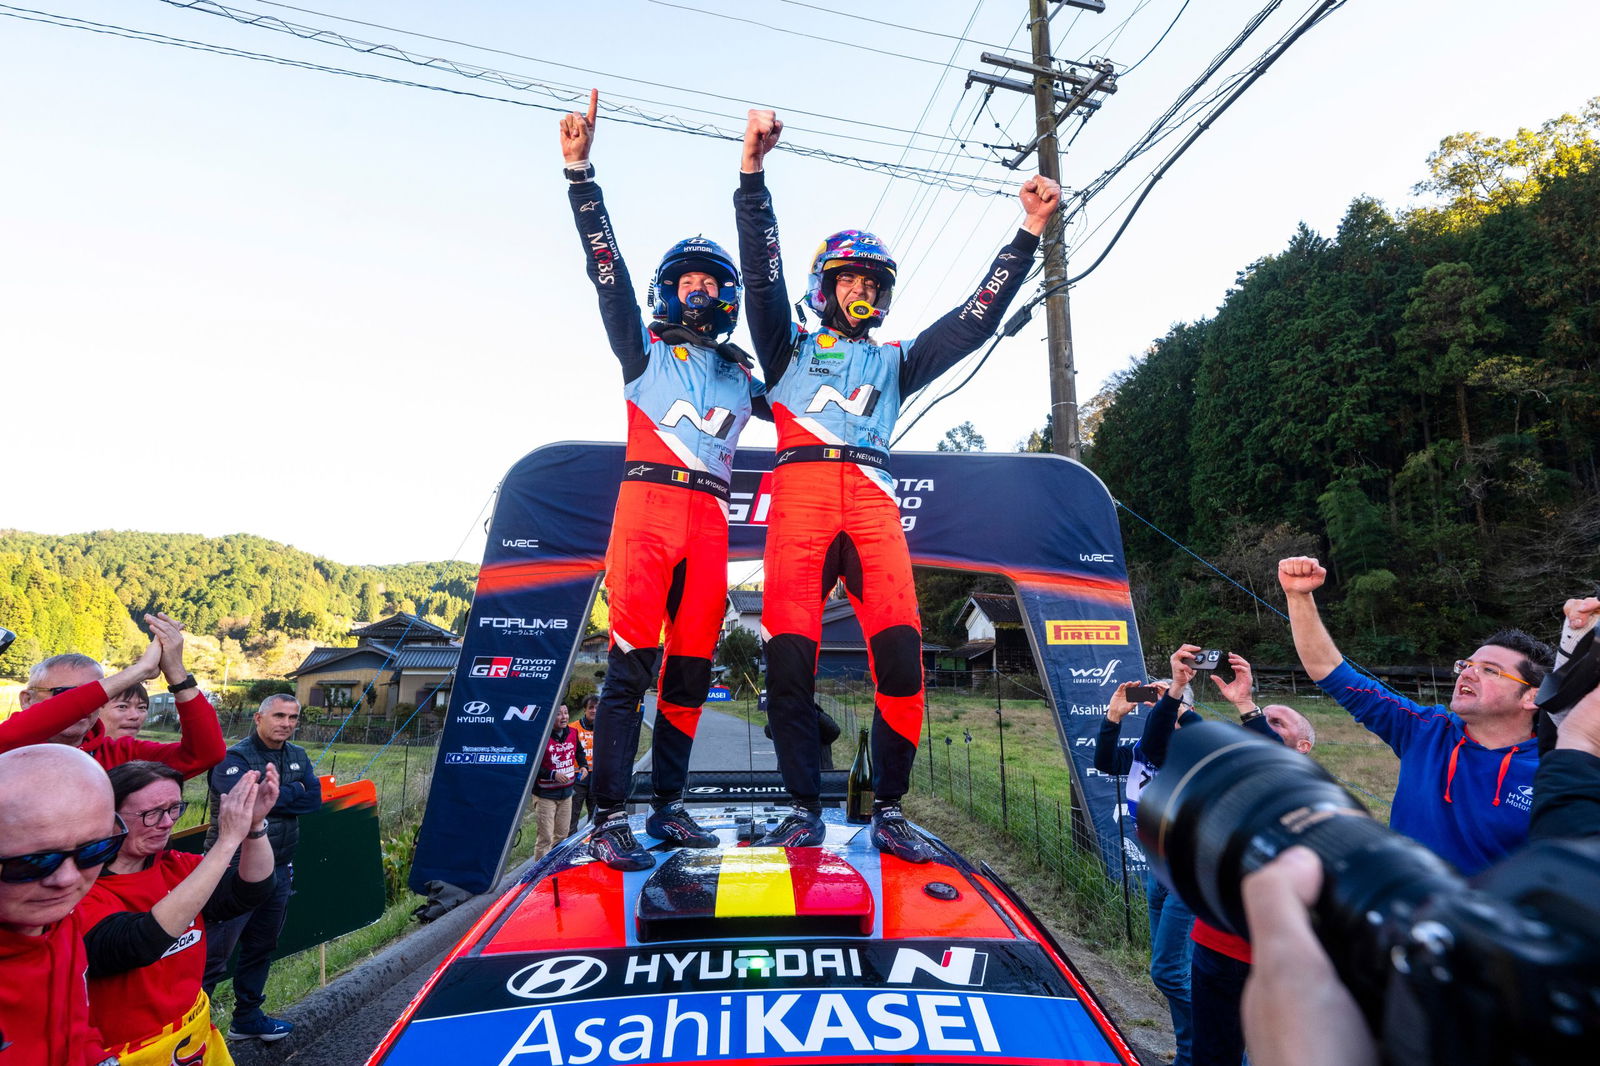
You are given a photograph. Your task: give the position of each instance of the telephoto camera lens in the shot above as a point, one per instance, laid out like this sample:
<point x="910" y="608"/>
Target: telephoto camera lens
<point x="1226" y="802"/>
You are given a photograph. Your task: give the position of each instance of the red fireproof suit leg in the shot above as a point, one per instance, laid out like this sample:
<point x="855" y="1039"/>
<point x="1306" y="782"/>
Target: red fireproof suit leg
<point x="830" y="521"/>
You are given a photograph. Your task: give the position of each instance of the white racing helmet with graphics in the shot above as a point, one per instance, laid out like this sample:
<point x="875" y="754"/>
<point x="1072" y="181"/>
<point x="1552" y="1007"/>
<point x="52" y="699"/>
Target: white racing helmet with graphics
<point x="712" y="315"/>
<point x="850" y="251"/>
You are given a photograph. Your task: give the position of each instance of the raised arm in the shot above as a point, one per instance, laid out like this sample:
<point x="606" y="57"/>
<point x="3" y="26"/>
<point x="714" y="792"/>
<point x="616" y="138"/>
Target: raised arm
<point x="37" y="722"/>
<point x="760" y="258"/>
<point x="961" y="331"/>
<point x="1300" y="577"/>
<point x="619" y="312"/>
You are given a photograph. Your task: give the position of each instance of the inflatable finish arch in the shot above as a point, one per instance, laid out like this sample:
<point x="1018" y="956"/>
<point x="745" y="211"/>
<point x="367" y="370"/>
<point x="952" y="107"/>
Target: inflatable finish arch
<point x="1045" y="522"/>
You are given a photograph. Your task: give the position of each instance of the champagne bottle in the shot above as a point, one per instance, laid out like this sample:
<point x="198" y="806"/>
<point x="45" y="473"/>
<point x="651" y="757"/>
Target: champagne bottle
<point x="858" y="786"/>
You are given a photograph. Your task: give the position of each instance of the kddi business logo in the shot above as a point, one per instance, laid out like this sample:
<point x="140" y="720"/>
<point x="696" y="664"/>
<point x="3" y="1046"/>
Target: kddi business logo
<point x="1094" y="675"/>
<point x="521" y="627"/>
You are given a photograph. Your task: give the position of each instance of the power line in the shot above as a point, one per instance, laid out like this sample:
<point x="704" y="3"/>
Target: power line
<point x="569" y="66"/>
<point x="1135" y="66"/>
<point x="973" y="183"/>
<point x="1323" y="9"/>
<point x="510" y="80"/>
<point x="832" y="42"/>
<point x="901" y="26"/>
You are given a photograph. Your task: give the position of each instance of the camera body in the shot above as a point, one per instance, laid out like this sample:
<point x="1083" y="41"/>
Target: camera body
<point x="1505" y="971"/>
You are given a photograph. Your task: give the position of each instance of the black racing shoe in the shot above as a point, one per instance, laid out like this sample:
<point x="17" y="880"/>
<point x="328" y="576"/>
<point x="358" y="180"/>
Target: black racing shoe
<point x="800" y="828"/>
<point x="673" y="822"/>
<point x="612" y="843"/>
<point x="893" y="834"/>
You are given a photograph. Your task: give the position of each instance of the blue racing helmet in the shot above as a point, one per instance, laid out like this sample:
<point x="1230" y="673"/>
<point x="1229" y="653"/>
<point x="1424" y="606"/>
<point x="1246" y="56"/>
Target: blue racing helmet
<point x="712" y="315"/>
<point x="851" y="250"/>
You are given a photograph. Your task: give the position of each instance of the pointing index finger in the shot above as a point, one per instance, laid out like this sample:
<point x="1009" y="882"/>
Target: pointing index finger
<point x="594" y="104"/>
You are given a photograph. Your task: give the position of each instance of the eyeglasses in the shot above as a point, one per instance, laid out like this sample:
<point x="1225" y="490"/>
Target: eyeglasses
<point x="1491" y="671"/>
<point x="57" y="690"/>
<point x="21" y="869"/>
<point x="153" y="816"/>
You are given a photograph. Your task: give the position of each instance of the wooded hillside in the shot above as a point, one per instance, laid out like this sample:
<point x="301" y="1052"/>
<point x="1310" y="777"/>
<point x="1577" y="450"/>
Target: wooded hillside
<point x="82" y="592"/>
<point x="1413" y="398"/>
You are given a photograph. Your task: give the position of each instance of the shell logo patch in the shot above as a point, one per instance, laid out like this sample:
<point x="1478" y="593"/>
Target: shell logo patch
<point x="826" y="340"/>
<point x="682" y="354"/>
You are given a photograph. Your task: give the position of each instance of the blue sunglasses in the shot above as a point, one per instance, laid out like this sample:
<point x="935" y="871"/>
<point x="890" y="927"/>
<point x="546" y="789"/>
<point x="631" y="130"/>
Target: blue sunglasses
<point x="21" y="869"/>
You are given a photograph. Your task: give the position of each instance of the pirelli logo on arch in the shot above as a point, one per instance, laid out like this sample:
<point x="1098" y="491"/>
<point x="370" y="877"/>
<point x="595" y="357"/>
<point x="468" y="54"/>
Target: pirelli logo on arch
<point x="1086" y="632"/>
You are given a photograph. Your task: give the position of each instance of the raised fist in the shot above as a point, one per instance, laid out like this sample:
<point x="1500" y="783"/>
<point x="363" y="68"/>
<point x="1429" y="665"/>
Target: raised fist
<point x="761" y="134"/>
<point x="1301" y="574"/>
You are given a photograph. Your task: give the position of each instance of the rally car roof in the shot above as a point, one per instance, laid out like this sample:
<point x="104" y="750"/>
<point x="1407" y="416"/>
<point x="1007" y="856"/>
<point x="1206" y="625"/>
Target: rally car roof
<point x="576" y="952"/>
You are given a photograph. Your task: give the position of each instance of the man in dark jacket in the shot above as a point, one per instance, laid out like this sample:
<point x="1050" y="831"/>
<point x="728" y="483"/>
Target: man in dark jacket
<point x="256" y="933"/>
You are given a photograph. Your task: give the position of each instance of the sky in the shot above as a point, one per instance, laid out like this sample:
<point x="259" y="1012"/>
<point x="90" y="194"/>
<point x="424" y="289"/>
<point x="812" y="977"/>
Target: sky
<point x="243" y="296"/>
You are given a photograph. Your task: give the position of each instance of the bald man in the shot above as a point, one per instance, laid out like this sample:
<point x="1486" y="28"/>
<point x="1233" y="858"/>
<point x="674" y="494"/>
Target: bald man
<point x="58" y="829"/>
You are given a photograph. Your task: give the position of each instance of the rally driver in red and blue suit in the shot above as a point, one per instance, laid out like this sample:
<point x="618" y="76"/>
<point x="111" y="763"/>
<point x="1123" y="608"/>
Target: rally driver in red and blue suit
<point x="835" y="395"/>
<point x="688" y="398"/>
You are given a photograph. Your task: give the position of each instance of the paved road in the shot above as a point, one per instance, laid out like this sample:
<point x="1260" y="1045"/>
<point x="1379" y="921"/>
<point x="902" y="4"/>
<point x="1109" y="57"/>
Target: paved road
<point x="722" y="742"/>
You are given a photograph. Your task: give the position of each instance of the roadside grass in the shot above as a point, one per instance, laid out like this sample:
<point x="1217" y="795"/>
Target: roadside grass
<point x="401" y="777"/>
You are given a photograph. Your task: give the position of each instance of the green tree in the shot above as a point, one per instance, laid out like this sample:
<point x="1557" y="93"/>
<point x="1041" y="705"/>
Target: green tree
<point x="962" y="438"/>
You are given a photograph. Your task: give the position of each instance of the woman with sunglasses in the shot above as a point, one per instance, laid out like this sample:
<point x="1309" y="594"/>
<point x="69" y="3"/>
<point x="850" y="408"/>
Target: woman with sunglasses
<point x="147" y="914"/>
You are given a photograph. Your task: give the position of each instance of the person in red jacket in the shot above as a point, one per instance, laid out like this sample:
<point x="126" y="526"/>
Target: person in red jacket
<point x="146" y="916"/>
<point x="76" y="680"/>
<point x="58" y="829"/>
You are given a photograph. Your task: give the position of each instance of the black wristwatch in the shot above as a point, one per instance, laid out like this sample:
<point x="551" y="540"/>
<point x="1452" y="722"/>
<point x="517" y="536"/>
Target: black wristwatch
<point x="259" y="833"/>
<point x="582" y="172"/>
<point x="187" y="682"/>
<point x="1251" y="715"/>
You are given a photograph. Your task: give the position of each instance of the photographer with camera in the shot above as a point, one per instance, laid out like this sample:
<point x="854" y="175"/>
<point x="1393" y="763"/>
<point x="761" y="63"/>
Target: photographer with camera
<point x="1297" y="1011"/>
<point x="1466" y="771"/>
<point x="1170" y="919"/>
<point x="1371" y="945"/>
<point x="1220" y="960"/>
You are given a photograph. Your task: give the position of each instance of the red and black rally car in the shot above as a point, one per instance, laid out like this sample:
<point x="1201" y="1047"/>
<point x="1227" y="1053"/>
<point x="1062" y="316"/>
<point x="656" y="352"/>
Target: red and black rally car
<point x="737" y="954"/>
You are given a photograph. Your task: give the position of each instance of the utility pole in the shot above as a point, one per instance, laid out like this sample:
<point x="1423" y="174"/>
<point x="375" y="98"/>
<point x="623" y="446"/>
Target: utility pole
<point x="1044" y="79"/>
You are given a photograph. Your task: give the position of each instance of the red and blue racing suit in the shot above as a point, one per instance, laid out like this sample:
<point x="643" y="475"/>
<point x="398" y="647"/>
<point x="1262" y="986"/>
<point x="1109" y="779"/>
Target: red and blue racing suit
<point x="667" y="562"/>
<point x="835" y="401"/>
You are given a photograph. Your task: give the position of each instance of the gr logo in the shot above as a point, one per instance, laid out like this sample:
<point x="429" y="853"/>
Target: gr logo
<point x="560" y="976"/>
<point x="491" y="666"/>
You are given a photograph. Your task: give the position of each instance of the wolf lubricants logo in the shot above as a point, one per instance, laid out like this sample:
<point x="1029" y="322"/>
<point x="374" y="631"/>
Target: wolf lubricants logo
<point x="1086" y="632"/>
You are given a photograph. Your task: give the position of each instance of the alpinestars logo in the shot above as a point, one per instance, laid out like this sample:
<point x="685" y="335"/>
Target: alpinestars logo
<point x="960" y="966"/>
<point x="717" y="422"/>
<point x="859" y="403"/>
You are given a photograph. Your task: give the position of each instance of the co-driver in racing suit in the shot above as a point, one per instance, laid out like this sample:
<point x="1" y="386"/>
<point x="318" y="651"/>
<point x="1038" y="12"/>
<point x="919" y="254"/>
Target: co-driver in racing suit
<point x="688" y="398"/>
<point x="835" y="395"/>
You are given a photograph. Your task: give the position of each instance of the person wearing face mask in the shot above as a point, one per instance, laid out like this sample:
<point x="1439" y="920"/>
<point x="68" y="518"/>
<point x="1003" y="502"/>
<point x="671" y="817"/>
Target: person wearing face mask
<point x="689" y="396"/>
<point x="835" y="396"/>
